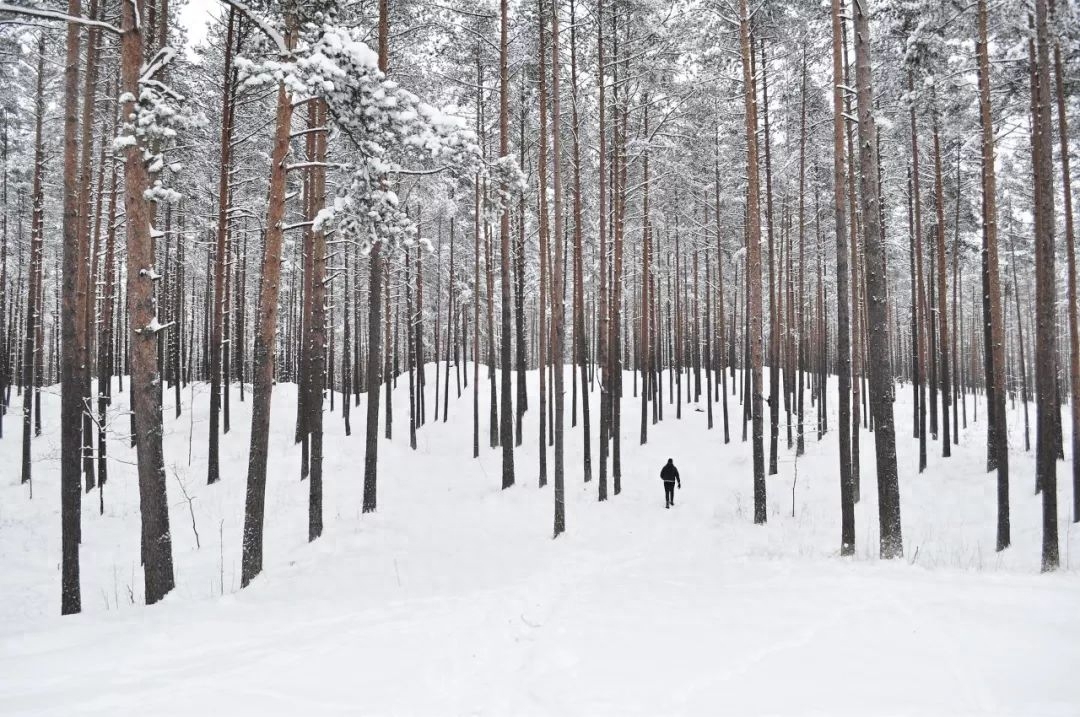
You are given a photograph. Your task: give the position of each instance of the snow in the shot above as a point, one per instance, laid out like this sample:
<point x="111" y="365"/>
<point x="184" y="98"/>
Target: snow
<point x="453" y="598"/>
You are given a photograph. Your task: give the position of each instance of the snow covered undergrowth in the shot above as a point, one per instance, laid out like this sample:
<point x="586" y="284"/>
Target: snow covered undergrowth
<point x="453" y="598"/>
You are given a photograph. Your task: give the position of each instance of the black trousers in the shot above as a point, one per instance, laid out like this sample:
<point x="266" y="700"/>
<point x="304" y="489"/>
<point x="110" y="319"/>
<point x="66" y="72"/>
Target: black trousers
<point x="669" y="493"/>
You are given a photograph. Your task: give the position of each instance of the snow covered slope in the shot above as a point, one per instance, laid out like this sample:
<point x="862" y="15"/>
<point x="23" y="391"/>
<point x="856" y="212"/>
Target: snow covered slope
<point x="454" y="600"/>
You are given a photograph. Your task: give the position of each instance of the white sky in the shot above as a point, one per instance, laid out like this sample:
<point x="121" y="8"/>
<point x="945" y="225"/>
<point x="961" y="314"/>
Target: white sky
<point x="194" y="16"/>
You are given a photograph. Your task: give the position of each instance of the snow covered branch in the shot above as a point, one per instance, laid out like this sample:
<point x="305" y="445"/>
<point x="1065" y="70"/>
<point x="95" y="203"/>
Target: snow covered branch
<point x="57" y="15"/>
<point x="264" y="26"/>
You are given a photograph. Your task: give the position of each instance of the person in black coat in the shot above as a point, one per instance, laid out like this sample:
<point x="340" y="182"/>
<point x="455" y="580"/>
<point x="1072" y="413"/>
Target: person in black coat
<point x="670" y="475"/>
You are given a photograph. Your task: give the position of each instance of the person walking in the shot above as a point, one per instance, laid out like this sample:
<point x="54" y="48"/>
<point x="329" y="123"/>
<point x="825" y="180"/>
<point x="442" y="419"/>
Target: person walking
<point x="670" y="475"/>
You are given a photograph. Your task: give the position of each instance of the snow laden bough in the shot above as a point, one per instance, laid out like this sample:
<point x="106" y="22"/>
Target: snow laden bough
<point x="386" y="127"/>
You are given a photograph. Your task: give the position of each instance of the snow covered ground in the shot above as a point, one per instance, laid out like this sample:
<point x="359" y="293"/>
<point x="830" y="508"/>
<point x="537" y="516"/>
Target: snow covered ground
<point x="454" y="600"/>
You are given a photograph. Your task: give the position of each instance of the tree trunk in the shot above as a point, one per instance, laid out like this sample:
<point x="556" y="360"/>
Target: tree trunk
<point x="558" y="276"/>
<point x="942" y="312"/>
<point x="603" y="331"/>
<point x="881" y="379"/>
<point x="85" y="287"/>
<point x="543" y="356"/>
<point x="266" y="329"/>
<point x="506" y="429"/>
<point x="1070" y="249"/>
<point x="145" y="390"/>
<point x="1045" y="294"/>
<point x="71" y="388"/>
<point x="997" y="433"/>
<point x="212" y="462"/>
<point x="753" y="264"/>
<point x="843" y="329"/>
<point x="33" y="314"/>
<point x="315" y="343"/>
<point x="580" y="353"/>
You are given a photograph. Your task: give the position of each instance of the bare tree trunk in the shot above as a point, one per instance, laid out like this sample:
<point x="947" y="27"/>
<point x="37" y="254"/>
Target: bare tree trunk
<point x="373" y="379"/>
<point x="212" y="462"/>
<point x="580" y="353"/>
<point x="145" y="389"/>
<point x="348" y="373"/>
<point x="720" y="300"/>
<point x="1070" y="248"/>
<point x="266" y="326"/>
<point x="105" y="341"/>
<point x="843" y="329"/>
<point x="603" y="331"/>
<point x="70" y="372"/>
<point x="543" y="355"/>
<point x="997" y="434"/>
<point x="557" y="288"/>
<point x="923" y="319"/>
<point x="881" y="380"/>
<point x="451" y="338"/>
<point x="616" y="299"/>
<point x="33" y="314"/>
<point x="1045" y="294"/>
<point x="942" y="312"/>
<point x="774" y="320"/>
<point x="854" y="280"/>
<point x="753" y="263"/>
<point x="800" y="442"/>
<point x="519" y="288"/>
<point x="316" y="341"/>
<point x="644" y="342"/>
<point x="85" y="288"/>
<point x="506" y="429"/>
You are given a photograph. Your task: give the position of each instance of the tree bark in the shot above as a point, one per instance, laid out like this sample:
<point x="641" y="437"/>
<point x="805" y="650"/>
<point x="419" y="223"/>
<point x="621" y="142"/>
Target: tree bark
<point x="997" y="434"/>
<point x="266" y="329"/>
<point x="1045" y="294"/>
<point x="145" y="392"/>
<point x="558" y="278"/>
<point x="506" y="428"/>
<point x="71" y="388"/>
<point x="580" y="352"/>
<point x="881" y="379"/>
<point x="212" y="462"/>
<point x="942" y="310"/>
<point x="753" y="264"/>
<point x="843" y="329"/>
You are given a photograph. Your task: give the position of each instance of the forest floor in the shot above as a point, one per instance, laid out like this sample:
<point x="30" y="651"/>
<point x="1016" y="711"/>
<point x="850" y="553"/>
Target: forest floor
<point x="453" y="599"/>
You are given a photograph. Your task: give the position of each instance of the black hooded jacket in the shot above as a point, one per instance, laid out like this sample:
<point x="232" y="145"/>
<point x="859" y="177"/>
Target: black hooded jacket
<point x="669" y="473"/>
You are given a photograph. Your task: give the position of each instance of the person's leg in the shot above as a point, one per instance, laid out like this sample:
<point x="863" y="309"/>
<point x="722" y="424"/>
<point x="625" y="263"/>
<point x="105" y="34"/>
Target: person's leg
<point x="669" y="494"/>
